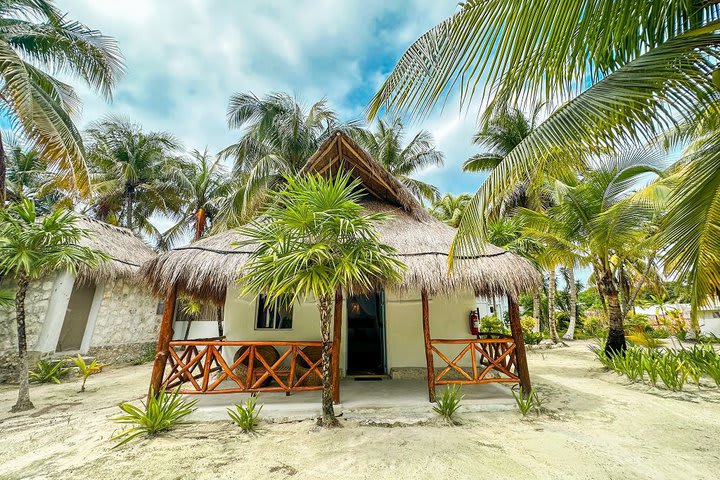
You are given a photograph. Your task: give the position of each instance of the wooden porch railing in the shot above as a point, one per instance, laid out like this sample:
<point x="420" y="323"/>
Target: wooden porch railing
<point x="493" y="352"/>
<point x="197" y="366"/>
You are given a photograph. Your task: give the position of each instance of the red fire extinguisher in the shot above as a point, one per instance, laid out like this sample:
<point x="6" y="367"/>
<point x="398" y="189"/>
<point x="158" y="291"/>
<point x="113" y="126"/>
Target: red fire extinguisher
<point x="474" y="322"/>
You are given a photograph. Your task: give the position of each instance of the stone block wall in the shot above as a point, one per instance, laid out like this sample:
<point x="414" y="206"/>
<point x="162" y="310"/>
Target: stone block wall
<point x="127" y="322"/>
<point x="36" y="304"/>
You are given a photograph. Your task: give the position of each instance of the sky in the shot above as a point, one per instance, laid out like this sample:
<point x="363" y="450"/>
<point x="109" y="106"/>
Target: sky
<point x="184" y="58"/>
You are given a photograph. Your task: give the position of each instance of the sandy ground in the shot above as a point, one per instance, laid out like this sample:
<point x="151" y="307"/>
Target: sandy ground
<point x="596" y="426"/>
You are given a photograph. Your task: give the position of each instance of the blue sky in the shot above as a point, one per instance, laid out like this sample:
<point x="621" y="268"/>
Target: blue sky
<point x="185" y="58"/>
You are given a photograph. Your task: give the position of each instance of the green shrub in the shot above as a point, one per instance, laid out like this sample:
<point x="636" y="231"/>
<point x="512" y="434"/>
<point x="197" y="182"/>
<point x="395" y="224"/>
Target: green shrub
<point x="448" y="404"/>
<point x="635" y="323"/>
<point x="246" y="416"/>
<point x="595" y="327"/>
<point x="659" y="332"/>
<point x="491" y="323"/>
<point x="533" y="338"/>
<point x="650" y="366"/>
<point x="47" y="372"/>
<point x="161" y="413"/>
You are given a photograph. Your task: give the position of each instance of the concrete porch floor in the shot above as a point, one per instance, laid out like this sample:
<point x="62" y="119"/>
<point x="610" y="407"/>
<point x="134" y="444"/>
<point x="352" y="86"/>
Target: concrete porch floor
<point x="380" y="401"/>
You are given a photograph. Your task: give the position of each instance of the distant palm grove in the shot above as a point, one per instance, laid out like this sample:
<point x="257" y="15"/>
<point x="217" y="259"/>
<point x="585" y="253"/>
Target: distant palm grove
<point x="597" y="152"/>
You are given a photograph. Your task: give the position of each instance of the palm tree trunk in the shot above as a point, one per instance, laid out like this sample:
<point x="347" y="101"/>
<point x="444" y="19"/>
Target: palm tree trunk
<point x="187" y="328"/>
<point x="328" y="412"/>
<point x="129" y="209"/>
<point x="616" y="334"/>
<point x="570" y="334"/>
<point x="551" y="307"/>
<point x="3" y="174"/>
<point x="23" y="401"/>
<point x="200" y="223"/>
<point x="536" y="307"/>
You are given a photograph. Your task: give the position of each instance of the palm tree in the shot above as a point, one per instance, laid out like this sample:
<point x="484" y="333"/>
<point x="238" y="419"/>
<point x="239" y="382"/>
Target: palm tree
<point x="35" y="37"/>
<point x="449" y="208"/>
<point x="313" y="241"/>
<point x="571" y="284"/>
<point x="628" y="72"/>
<point x="503" y="131"/>
<point x="385" y="145"/>
<point x="133" y="174"/>
<point x="203" y="184"/>
<point x="279" y="135"/>
<point x="601" y="221"/>
<point x="31" y="247"/>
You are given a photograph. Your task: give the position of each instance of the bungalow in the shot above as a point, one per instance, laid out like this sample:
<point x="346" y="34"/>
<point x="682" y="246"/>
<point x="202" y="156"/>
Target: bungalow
<point x="418" y="328"/>
<point x="102" y="312"/>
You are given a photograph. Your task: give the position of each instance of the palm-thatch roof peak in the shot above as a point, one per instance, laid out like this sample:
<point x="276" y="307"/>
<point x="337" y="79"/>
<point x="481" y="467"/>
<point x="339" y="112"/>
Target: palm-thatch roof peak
<point x="207" y="267"/>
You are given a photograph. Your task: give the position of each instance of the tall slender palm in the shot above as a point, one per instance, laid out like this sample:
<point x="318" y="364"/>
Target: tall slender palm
<point x="314" y="241"/>
<point x="628" y="70"/>
<point x="37" y="38"/>
<point x="203" y="184"/>
<point x="385" y="144"/>
<point x="449" y="208"/>
<point x="603" y="222"/>
<point x="133" y="173"/>
<point x="279" y="135"/>
<point x="31" y="247"/>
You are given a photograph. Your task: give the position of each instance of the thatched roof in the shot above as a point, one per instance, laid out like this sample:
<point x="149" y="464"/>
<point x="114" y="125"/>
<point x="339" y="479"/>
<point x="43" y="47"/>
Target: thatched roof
<point x="127" y="252"/>
<point x="205" y="268"/>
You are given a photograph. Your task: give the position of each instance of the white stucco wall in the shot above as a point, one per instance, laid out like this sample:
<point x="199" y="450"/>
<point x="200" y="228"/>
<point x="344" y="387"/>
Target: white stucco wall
<point x="403" y="331"/>
<point x="709" y="321"/>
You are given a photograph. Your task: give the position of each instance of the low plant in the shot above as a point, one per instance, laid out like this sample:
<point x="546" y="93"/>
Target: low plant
<point x="162" y="412"/>
<point x="47" y="372"/>
<point x="527" y="401"/>
<point x="629" y="364"/>
<point x="708" y="338"/>
<point x="147" y="356"/>
<point x="644" y="339"/>
<point x="650" y="366"/>
<point x="86" y="369"/>
<point x="246" y="415"/>
<point x="672" y="371"/>
<point x="449" y="402"/>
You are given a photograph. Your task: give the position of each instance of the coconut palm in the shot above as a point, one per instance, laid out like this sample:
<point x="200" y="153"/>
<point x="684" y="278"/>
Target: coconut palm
<point x="279" y="134"/>
<point x="32" y="247"/>
<point x="627" y="70"/>
<point x="37" y="38"/>
<point x="385" y="145"/>
<point x="449" y="208"/>
<point x="132" y="174"/>
<point x="203" y="184"/>
<point x="313" y="241"/>
<point x="503" y="131"/>
<point x="602" y="222"/>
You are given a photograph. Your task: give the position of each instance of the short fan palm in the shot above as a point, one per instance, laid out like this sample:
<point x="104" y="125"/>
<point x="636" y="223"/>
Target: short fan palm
<point x="312" y="242"/>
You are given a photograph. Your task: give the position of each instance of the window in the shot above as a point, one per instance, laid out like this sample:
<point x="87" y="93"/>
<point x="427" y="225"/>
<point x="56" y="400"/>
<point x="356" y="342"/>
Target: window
<point x="272" y="316"/>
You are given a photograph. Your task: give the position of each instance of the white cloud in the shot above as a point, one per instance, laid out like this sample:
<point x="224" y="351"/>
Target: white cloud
<point x="185" y="58"/>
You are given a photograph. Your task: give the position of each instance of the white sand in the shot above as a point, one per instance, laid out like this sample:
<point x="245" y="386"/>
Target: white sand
<point x="597" y="427"/>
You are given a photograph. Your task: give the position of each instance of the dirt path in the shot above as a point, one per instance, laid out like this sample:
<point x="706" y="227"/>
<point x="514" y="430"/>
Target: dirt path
<point x="597" y="427"/>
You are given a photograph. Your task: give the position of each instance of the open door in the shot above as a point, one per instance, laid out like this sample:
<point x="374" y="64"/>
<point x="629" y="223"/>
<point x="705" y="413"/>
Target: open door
<point x="76" y="318"/>
<point x="366" y="335"/>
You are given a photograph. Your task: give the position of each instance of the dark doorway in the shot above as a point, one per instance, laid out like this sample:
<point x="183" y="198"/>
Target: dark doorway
<point x="76" y="318"/>
<point x="366" y="335"/>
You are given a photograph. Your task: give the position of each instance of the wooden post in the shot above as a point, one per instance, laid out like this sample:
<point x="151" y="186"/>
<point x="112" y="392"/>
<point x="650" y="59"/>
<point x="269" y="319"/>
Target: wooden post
<point x="516" y="332"/>
<point x="164" y="337"/>
<point x="428" y="346"/>
<point x="337" y="336"/>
